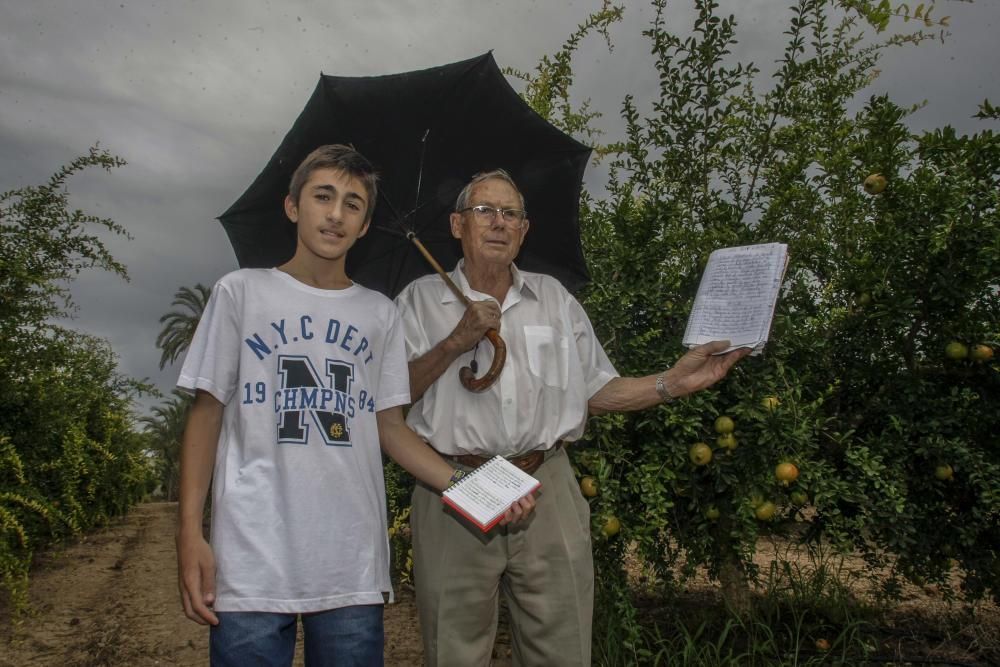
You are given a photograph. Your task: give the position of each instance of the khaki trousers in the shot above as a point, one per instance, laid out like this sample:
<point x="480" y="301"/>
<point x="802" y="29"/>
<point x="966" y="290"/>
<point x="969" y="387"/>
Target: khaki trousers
<point x="545" y="569"/>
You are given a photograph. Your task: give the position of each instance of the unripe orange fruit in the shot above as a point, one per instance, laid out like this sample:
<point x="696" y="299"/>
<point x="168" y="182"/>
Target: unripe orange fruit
<point x="799" y="498"/>
<point x="766" y="511"/>
<point x="727" y="441"/>
<point x="724" y="425"/>
<point x="981" y="353"/>
<point x="956" y="351"/>
<point x="875" y="184"/>
<point x="611" y="526"/>
<point x="786" y="473"/>
<point x="700" y="454"/>
<point x="944" y="472"/>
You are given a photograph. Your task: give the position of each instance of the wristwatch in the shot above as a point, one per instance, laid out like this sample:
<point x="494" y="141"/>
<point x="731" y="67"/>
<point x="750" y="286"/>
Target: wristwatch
<point x="455" y="477"/>
<point x="661" y="389"/>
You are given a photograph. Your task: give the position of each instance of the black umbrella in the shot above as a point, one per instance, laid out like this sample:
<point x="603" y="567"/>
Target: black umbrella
<point x="427" y="132"/>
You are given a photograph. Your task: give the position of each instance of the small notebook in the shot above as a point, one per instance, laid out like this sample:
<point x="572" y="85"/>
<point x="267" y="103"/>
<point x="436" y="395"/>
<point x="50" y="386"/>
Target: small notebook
<point x="486" y="493"/>
<point x="737" y="295"/>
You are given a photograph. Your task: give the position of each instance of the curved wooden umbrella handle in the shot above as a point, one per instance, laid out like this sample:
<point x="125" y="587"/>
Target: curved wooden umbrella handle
<point x="467" y="376"/>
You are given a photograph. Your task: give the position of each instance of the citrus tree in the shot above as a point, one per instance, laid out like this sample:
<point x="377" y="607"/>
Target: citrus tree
<point x="867" y="421"/>
<point x="70" y="457"/>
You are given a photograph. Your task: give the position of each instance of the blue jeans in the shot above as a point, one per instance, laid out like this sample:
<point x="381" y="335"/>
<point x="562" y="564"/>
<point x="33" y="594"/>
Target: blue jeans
<point x="344" y="637"/>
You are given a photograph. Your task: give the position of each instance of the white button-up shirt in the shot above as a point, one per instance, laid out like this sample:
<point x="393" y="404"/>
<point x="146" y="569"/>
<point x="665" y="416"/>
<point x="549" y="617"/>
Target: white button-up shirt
<point x="554" y="365"/>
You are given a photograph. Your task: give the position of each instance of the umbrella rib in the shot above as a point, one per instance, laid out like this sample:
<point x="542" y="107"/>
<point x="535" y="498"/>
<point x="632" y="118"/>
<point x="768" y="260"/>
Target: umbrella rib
<point x="395" y="211"/>
<point x="420" y="170"/>
<point x="401" y="220"/>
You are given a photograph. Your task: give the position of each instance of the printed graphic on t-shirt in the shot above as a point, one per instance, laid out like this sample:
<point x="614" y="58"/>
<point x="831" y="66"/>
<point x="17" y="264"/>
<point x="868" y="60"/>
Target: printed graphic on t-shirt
<point x="314" y="390"/>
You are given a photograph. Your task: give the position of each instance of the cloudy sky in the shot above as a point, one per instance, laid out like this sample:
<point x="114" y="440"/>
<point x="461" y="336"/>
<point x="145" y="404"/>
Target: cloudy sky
<point x="198" y="94"/>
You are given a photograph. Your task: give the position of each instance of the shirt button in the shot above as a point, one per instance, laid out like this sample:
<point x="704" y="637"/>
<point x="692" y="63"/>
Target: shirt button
<point x="509" y="401"/>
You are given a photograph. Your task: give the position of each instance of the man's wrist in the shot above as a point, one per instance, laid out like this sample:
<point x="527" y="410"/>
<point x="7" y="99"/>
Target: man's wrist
<point x="661" y="388"/>
<point x="452" y="347"/>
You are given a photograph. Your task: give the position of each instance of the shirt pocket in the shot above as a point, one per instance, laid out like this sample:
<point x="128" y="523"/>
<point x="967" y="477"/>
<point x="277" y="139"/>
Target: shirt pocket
<point x="548" y="355"/>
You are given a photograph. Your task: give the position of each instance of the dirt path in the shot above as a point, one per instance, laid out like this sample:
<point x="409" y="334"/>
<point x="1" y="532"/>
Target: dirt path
<point x="111" y="599"/>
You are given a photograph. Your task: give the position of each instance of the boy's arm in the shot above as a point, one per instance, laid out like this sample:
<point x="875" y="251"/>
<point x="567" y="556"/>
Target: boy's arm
<point x="408" y="450"/>
<point x="195" y="560"/>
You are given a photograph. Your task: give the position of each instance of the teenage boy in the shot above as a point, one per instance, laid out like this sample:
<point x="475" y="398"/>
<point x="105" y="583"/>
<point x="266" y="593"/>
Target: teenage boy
<point x="299" y="374"/>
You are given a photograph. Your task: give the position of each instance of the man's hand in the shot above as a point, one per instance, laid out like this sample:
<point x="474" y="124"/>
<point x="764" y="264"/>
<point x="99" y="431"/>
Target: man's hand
<point x="519" y="511"/>
<point x="479" y="317"/>
<point x="701" y="367"/>
<point x="196" y="578"/>
<point x="425" y="370"/>
<point x="693" y="372"/>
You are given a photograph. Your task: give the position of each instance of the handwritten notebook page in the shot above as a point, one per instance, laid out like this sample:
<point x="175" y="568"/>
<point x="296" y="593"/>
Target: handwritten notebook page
<point x="737" y="296"/>
<point x="488" y="491"/>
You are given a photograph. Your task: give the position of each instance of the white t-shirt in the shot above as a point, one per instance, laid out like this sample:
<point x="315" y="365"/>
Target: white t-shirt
<point x="298" y="501"/>
<point x="554" y="365"/>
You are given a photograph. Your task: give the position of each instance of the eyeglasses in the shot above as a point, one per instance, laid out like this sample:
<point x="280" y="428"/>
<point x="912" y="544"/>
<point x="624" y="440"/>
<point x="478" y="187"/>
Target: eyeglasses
<point x="485" y="215"/>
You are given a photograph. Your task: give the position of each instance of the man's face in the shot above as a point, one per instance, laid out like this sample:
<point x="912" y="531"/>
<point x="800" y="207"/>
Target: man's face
<point x="490" y="242"/>
<point x="330" y="213"/>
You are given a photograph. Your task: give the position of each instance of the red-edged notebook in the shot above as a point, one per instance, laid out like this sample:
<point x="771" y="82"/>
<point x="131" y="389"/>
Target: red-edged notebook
<point x="487" y="492"/>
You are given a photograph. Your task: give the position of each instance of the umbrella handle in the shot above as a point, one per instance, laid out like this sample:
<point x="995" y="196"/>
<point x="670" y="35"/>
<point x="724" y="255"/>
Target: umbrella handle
<point x="468" y="377"/>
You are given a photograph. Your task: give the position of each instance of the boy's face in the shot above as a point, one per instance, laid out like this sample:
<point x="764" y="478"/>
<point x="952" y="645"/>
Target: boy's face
<point x="330" y="213"/>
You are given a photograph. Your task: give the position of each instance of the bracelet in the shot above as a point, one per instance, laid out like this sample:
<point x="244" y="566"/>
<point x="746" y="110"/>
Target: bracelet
<point x="455" y="476"/>
<point x="661" y="389"/>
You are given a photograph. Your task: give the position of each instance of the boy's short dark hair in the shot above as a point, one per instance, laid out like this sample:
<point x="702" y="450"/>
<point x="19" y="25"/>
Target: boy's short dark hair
<point x="342" y="158"/>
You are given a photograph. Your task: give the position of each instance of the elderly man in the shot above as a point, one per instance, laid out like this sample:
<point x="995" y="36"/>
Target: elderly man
<point x="556" y="374"/>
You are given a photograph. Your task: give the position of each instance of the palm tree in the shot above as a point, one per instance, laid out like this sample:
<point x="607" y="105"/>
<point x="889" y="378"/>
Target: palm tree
<point x="164" y="430"/>
<point x="179" y="324"/>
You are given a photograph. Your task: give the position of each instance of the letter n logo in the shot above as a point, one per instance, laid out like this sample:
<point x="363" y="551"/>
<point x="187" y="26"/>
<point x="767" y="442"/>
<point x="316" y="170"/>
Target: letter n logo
<point x="304" y="391"/>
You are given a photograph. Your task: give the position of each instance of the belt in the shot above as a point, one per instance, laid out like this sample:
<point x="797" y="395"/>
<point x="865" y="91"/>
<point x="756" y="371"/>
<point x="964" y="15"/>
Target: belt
<point x="529" y="462"/>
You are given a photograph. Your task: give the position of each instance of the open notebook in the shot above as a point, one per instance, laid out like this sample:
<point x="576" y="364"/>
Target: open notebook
<point x="487" y="492"/>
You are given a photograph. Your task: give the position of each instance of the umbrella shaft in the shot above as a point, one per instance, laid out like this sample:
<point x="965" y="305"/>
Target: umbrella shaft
<point x="437" y="267"/>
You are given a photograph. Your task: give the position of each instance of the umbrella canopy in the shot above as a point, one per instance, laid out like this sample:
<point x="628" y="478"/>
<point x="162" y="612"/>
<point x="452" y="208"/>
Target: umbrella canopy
<point x="427" y="133"/>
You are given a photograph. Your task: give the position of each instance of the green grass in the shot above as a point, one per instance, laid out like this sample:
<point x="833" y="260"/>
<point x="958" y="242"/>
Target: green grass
<point x="793" y="607"/>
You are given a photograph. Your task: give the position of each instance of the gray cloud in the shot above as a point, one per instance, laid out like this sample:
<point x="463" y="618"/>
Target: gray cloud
<point x="197" y="95"/>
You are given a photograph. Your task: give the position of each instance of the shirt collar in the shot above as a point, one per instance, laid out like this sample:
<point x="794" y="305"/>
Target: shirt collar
<point x="520" y="285"/>
<point x="524" y="287"/>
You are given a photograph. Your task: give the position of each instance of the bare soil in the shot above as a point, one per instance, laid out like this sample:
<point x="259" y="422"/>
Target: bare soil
<point x="111" y="599"/>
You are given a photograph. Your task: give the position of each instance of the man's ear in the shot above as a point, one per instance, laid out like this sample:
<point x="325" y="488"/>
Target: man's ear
<point x="291" y="208"/>
<point x="364" y="229"/>
<point x="456" y="224"/>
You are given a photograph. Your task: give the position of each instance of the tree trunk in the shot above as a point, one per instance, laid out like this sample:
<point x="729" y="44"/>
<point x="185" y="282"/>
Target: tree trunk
<point x="735" y="588"/>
